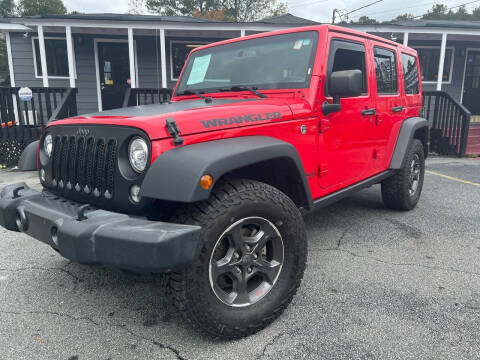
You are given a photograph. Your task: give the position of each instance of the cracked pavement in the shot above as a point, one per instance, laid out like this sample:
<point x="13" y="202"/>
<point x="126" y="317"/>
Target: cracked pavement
<point x="380" y="284"/>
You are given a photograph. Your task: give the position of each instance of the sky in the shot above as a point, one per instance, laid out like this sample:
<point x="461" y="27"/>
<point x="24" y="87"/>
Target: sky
<point x="318" y="10"/>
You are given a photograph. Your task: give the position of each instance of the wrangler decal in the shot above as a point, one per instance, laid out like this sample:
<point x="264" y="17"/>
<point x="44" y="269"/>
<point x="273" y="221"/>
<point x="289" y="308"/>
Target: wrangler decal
<point x="240" y="119"/>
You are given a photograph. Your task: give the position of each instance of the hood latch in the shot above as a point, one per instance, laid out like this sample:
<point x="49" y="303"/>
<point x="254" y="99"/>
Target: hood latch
<point x="173" y="131"/>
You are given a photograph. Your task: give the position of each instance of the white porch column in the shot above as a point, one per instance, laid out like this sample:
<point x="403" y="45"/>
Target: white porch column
<point x="9" y="58"/>
<point x="405" y="38"/>
<point x="11" y="72"/>
<point x="131" y="54"/>
<point x="71" y="65"/>
<point x="242" y="32"/>
<point x="163" y="58"/>
<point x="441" y="62"/>
<point x="43" y="55"/>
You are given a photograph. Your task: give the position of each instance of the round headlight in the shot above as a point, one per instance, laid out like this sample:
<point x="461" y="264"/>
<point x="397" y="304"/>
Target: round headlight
<point x="48" y="144"/>
<point x="138" y="154"/>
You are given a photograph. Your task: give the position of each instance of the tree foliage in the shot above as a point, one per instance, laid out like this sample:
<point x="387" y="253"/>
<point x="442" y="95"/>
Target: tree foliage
<point x="226" y="10"/>
<point x="437" y="12"/>
<point x="41" y="7"/>
<point x="7" y="8"/>
<point x="365" y="20"/>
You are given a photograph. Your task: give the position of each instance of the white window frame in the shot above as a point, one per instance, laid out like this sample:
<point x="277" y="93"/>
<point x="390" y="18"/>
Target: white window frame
<point x="51" y="76"/>
<point x="452" y="61"/>
<point x="171" y="52"/>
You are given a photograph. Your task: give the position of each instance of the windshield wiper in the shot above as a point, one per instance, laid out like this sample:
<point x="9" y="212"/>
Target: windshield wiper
<point x="252" y="89"/>
<point x="190" y="92"/>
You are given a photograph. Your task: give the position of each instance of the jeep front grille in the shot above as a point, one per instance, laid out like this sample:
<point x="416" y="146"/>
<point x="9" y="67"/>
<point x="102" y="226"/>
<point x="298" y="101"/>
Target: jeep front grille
<point x="84" y="164"/>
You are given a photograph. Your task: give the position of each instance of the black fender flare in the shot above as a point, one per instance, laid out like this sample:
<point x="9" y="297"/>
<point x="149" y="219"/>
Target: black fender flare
<point x="28" y="158"/>
<point x="175" y="175"/>
<point x="404" y="139"/>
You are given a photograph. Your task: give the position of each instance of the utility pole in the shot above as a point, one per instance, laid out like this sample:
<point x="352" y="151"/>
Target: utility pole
<point x="342" y="14"/>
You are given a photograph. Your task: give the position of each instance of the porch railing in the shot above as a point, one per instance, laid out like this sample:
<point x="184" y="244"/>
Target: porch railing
<point x="145" y="96"/>
<point x="21" y="122"/>
<point x="449" y="122"/>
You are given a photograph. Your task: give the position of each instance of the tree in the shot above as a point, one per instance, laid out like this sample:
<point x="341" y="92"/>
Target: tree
<point x="365" y="20"/>
<point x="461" y="14"/>
<point x="250" y="10"/>
<point x="7" y="8"/>
<point x="404" y="17"/>
<point x="476" y="14"/>
<point x="41" y="7"/>
<point x="438" y="11"/>
<point x="135" y="6"/>
<point x="182" y="7"/>
<point x="218" y="15"/>
<point x="227" y="10"/>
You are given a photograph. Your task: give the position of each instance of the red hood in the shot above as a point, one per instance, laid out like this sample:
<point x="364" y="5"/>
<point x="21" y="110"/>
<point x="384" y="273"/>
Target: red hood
<point x="192" y="116"/>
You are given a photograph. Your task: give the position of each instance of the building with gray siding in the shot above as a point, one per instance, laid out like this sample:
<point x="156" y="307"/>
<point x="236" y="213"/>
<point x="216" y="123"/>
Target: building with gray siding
<point x="111" y="52"/>
<point x="103" y="54"/>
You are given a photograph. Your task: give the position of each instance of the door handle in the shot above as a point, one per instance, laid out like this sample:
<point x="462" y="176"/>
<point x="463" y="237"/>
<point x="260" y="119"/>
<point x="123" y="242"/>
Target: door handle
<point x="368" y="112"/>
<point x="397" y="109"/>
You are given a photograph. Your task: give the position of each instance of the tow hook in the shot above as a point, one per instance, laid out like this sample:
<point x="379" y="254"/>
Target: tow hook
<point x="173" y="131"/>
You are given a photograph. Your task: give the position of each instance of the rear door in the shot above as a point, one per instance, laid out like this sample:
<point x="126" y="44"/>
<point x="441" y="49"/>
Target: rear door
<point x="345" y="148"/>
<point x="389" y="101"/>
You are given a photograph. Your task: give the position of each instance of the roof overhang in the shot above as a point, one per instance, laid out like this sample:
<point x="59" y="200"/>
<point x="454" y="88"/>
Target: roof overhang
<point x="13" y="27"/>
<point x="380" y="28"/>
<point x="115" y="24"/>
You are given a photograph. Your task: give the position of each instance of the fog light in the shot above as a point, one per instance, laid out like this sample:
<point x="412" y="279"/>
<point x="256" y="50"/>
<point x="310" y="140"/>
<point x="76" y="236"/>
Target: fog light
<point x="42" y="175"/>
<point x="135" y="193"/>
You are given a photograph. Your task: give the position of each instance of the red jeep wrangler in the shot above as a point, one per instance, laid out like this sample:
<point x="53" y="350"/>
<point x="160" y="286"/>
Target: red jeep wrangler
<point x="211" y="186"/>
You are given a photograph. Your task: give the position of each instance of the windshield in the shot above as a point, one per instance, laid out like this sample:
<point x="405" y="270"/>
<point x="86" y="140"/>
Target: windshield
<point x="273" y="62"/>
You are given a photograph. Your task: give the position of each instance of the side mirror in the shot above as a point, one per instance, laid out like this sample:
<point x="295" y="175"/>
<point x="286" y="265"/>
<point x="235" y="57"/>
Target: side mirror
<point x="341" y="84"/>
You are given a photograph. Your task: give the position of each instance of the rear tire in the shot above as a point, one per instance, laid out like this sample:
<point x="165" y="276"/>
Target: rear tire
<point x="250" y="261"/>
<point x="402" y="191"/>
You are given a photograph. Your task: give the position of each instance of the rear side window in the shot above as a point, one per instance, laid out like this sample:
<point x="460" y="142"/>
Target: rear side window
<point x="410" y="74"/>
<point x="386" y="71"/>
<point x="345" y="55"/>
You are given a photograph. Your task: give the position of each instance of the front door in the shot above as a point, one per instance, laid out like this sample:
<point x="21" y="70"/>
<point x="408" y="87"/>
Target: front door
<point x="114" y="72"/>
<point x="345" y="148"/>
<point x="471" y="88"/>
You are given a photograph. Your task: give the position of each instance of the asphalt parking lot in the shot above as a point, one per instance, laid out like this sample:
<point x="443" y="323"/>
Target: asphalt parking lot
<point x="380" y="284"/>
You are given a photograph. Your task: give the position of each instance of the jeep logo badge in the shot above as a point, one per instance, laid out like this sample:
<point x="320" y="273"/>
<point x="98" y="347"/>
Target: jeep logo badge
<point x="82" y="132"/>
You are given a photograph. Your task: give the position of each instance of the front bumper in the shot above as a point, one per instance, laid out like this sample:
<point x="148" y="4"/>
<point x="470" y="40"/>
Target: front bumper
<point x="94" y="236"/>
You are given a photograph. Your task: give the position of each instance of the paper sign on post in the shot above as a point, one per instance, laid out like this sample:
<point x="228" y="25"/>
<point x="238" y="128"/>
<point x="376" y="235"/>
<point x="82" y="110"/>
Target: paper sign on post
<point x="199" y="69"/>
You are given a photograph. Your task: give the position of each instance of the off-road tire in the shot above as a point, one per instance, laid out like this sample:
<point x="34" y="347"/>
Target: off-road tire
<point x="191" y="291"/>
<point x="396" y="189"/>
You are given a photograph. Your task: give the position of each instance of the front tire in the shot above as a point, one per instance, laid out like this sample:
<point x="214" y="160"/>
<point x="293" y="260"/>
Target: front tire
<point x="402" y="191"/>
<point x="250" y="263"/>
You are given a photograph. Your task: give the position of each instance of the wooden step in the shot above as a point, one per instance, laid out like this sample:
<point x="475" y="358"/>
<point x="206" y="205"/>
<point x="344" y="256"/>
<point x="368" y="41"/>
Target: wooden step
<point x="473" y="149"/>
<point x="474" y="130"/>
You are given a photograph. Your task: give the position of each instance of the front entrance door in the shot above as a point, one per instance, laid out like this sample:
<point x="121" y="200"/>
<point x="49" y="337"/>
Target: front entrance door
<point x="114" y="73"/>
<point x="471" y="87"/>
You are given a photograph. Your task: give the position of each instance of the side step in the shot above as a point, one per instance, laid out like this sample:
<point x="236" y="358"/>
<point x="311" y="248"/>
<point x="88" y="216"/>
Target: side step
<point x="338" y="195"/>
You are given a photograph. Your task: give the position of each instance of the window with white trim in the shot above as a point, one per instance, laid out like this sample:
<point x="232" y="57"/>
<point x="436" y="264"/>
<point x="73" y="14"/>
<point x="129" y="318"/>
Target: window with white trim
<point x="56" y="54"/>
<point x="179" y="51"/>
<point x="429" y="58"/>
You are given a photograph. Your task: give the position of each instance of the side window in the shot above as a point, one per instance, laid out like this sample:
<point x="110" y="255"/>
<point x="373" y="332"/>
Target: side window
<point x="345" y="55"/>
<point x="410" y="74"/>
<point x="386" y="71"/>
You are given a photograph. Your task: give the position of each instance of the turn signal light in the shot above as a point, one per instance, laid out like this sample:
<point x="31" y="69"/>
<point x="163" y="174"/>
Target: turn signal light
<point x="206" y="181"/>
